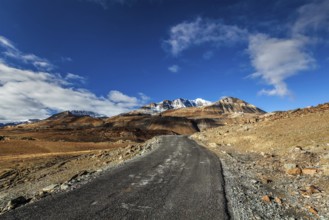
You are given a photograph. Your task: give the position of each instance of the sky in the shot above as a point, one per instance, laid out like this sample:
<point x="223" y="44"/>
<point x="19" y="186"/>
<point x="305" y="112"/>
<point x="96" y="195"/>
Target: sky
<point x="112" y="56"/>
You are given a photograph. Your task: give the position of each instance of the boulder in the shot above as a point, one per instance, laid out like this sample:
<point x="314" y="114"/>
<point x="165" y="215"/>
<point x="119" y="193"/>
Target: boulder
<point x="19" y="201"/>
<point x="309" y="171"/>
<point x="294" y="171"/>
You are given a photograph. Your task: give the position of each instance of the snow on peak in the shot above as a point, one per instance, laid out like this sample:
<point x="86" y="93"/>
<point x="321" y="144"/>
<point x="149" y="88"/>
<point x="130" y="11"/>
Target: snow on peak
<point x="173" y="104"/>
<point x="201" y="102"/>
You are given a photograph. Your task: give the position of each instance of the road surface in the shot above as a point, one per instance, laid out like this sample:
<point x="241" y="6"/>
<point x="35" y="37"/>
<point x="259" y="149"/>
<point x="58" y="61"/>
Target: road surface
<point x="178" y="180"/>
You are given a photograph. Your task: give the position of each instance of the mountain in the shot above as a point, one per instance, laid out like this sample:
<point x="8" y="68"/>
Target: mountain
<point x="18" y="122"/>
<point x="225" y="111"/>
<point x="234" y="105"/>
<point x="77" y="113"/>
<point x="179" y="116"/>
<point x="224" y="105"/>
<point x="165" y="105"/>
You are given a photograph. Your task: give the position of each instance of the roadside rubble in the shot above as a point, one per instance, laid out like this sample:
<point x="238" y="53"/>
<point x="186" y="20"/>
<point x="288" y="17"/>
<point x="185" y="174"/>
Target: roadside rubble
<point x="268" y="186"/>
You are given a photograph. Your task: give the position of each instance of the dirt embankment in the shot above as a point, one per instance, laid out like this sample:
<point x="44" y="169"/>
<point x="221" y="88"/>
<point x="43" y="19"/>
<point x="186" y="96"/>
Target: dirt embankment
<point x="277" y="168"/>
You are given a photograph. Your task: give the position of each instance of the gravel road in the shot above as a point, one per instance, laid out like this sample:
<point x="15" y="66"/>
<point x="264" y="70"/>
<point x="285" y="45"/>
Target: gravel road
<point x="178" y="180"/>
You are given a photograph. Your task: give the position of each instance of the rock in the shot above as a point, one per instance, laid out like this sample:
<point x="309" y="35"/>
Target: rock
<point x="298" y="148"/>
<point x="19" y="201"/>
<point x="265" y="180"/>
<point x="290" y="166"/>
<point x="312" y="189"/>
<point x="254" y="181"/>
<point x="213" y="145"/>
<point x="313" y="210"/>
<point x="309" y="171"/>
<point x="50" y="188"/>
<point x="266" y="198"/>
<point x="64" y="186"/>
<point x="294" y="171"/>
<point x="278" y="200"/>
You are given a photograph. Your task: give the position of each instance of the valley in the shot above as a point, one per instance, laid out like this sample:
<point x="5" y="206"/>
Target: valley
<point x="280" y="156"/>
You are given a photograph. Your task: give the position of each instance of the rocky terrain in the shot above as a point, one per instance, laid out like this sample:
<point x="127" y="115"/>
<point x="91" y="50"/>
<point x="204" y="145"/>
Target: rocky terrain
<point x="276" y="165"/>
<point x="276" y="168"/>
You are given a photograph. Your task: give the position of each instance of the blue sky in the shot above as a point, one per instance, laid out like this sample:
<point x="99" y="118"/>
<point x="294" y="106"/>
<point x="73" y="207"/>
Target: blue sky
<point x="111" y="56"/>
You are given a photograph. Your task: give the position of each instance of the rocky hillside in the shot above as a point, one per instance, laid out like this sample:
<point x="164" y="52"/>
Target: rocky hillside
<point x="234" y="105"/>
<point x="282" y="158"/>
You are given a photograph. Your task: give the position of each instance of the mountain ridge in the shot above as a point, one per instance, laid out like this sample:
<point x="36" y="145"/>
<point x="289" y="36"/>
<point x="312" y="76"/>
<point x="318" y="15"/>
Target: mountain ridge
<point x="224" y="105"/>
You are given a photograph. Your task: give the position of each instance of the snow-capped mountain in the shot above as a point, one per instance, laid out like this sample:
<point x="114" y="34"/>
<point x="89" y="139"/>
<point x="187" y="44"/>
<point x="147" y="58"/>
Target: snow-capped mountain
<point x="14" y="123"/>
<point x="224" y="105"/>
<point x="172" y="104"/>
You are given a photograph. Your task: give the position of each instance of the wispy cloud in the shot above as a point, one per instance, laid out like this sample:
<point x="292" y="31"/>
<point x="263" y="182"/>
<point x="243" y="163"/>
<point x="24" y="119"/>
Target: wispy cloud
<point x="10" y="51"/>
<point x="120" y="98"/>
<point x="174" y="68"/>
<point x="66" y="59"/>
<point x="200" y="31"/>
<point x="313" y="17"/>
<point x="6" y="43"/>
<point x="75" y="77"/>
<point x="105" y="3"/>
<point x="27" y="94"/>
<point x="276" y="60"/>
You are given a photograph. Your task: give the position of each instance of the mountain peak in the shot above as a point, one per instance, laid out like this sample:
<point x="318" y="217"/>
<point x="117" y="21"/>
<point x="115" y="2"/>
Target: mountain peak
<point x="232" y="104"/>
<point x="172" y="104"/>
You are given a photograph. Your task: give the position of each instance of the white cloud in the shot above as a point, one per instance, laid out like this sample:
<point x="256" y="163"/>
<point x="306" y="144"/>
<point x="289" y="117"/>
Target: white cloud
<point x="6" y="43"/>
<point x="174" y="68"/>
<point x="71" y="76"/>
<point x="144" y="97"/>
<point x="201" y="31"/>
<point x="25" y="94"/>
<point x="313" y="16"/>
<point x="278" y="59"/>
<point x="119" y="97"/>
<point x="10" y="51"/>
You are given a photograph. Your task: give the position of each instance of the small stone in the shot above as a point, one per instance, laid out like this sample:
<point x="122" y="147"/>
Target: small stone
<point x="254" y="181"/>
<point x="50" y="188"/>
<point x="313" y="210"/>
<point x="309" y="171"/>
<point x="64" y="187"/>
<point x="213" y="145"/>
<point x="265" y="180"/>
<point x="294" y="171"/>
<point x="298" y="148"/>
<point x="266" y="198"/>
<point x="278" y="200"/>
<point x="290" y="166"/>
<point x="312" y="189"/>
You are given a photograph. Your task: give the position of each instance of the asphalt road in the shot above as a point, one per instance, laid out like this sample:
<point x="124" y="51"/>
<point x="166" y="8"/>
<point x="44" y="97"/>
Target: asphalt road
<point x="178" y="180"/>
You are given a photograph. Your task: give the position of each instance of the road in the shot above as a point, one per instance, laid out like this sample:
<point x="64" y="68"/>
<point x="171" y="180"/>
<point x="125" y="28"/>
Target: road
<point x="178" y="180"/>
